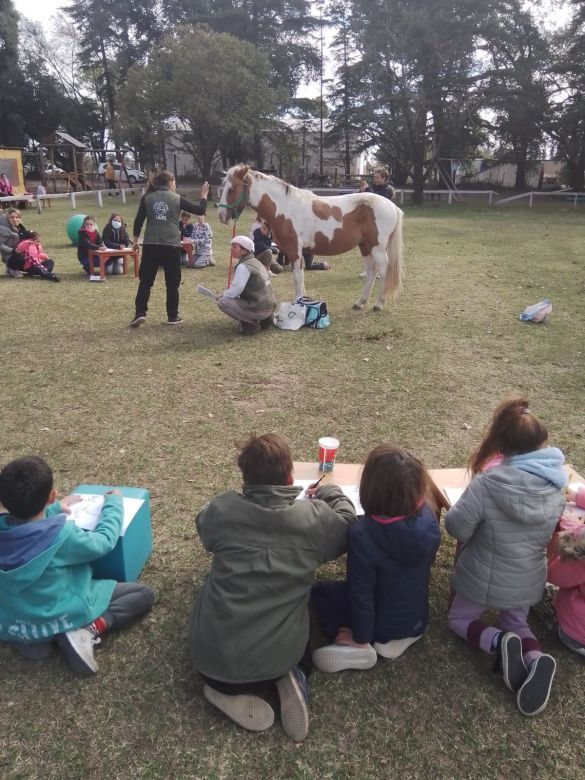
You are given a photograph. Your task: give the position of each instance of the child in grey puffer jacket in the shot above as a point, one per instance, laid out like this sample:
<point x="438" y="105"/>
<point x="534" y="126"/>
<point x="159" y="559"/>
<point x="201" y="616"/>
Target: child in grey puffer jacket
<point x="504" y="521"/>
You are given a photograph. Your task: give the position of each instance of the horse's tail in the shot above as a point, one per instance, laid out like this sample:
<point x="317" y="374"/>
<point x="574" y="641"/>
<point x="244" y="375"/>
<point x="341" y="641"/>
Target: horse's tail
<point x="395" y="271"/>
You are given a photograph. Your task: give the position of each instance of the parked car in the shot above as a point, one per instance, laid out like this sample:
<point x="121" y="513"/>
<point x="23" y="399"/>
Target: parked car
<point x="135" y="175"/>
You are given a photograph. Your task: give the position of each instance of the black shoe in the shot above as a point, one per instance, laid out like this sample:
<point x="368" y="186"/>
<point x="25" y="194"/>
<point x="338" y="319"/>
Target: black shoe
<point x="138" y="320"/>
<point x="514" y="670"/>
<point x="174" y="321"/>
<point x="533" y="696"/>
<point x="264" y="324"/>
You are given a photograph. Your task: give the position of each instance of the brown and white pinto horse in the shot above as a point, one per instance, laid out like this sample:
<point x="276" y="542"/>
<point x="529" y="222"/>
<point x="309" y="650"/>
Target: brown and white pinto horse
<point x="327" y="226"/>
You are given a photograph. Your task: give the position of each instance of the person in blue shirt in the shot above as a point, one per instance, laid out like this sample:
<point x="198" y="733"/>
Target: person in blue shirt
<point x="47" y="590"/>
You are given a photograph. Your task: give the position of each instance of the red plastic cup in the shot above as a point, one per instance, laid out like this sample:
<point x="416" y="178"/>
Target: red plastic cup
<point x="328" y="447"/>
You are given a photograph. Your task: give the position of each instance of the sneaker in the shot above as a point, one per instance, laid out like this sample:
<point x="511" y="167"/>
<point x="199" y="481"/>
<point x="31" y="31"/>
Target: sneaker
<point x="514" y="669"/>
<point x="336" y="658"/>
<point x="249" y="712"/>
<point x="174" y="321"/>
<point x="293" y="693"/>
<point x="78" y="648"/>
<point x="264" y="324"/>
<point x="572" y="644"/>
<point x="533" y="696"/>
<point x="395" y="647"/>
<point x="15" y="273"/>
<point x="33" y="652"/>
<point x="139" y="320"/>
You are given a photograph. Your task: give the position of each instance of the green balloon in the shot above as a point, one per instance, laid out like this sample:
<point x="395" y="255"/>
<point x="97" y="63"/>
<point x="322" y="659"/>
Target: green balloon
<point x="73" y="227"/>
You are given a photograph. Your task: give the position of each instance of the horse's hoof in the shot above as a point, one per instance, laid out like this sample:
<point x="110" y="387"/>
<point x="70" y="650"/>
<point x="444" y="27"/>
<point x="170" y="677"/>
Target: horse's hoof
<point x="358" y="306"/>
<point x="375" y="307"/>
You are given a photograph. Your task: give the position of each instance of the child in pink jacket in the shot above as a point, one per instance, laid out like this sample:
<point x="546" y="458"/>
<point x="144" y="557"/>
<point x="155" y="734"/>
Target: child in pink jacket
<point x="31" y="259"/>
<point x="566" y="569"/>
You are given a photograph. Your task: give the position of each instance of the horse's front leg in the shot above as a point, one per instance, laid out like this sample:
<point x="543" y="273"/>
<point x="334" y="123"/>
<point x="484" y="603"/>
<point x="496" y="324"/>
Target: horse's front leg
<point x="298" y="277"/>
<point x="369" y="283"/>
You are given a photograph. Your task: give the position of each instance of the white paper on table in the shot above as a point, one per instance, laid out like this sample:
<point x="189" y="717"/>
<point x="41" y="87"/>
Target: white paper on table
<point x="85" y="514"/>
<point x="351" y="491"/>
<point x="453" y="494"/>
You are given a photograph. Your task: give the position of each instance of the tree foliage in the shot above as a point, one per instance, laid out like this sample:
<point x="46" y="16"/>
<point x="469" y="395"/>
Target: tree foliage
<point x="209" y="87"/>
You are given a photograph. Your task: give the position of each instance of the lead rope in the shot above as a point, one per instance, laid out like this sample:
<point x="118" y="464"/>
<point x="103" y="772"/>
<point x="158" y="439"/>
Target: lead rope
<point x="234" y="210"/>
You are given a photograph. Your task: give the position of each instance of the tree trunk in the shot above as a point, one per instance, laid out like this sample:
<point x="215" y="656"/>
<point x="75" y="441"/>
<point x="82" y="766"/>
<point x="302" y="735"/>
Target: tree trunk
<point x="576" y="168"/>
<point x="418" y="183"/>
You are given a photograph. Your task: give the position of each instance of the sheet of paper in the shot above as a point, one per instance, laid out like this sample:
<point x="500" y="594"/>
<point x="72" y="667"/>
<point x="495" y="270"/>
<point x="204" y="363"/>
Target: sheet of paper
<point x="86" y="513"/>
<point x="453" y="494"/>
<point x="351" y="491"/>
<point x="203" y="290"/>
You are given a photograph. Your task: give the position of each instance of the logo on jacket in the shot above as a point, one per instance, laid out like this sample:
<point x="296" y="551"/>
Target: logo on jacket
<point x="160" y="209"/>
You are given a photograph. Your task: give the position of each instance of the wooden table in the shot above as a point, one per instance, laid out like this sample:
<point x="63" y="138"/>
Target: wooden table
<point x="460" y="478"/>
<point x="103" y="255"/>
<point x="187" y="247"/>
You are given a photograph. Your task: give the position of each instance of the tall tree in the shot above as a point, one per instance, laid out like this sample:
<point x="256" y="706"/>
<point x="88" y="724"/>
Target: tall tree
<point x="279" y="28"/>
<point x="115" y="34"/>
<point x="418" y="72"/>
<point x="516" y="83"/>
<point x="227" y="101"/>
<point x="12" y="131"/>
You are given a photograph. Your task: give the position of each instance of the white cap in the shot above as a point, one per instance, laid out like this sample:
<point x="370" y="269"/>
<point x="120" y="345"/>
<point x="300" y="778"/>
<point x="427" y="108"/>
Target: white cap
<point x="243" y="241"/>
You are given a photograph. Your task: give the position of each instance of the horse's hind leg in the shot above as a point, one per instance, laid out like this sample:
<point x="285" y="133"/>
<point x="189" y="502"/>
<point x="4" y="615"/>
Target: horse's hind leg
<point x="369" y="283"/>
<point x="380" y="261"/>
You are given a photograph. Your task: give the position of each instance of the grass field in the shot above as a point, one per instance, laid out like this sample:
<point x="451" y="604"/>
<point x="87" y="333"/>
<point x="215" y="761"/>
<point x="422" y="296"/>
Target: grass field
<point x="160" y="407"/>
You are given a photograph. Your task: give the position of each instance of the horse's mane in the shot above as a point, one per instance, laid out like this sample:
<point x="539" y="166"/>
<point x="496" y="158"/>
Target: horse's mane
<point x="289" y="189"/>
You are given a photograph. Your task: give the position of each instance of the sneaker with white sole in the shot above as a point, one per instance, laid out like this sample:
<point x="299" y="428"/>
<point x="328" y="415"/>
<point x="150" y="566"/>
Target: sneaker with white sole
<point x="336" y="658"/>
<point x="15" y="273"/>
<point x="395" y="647"/>
<point x="139" y="320"/>
<point x="174" y="321"/>
<point x="293" y="693"/>
<point x="249" y="712"/>
<point x="78" y="648"/>
<point x="514" y="669"/>
<point x="533" y="696"/>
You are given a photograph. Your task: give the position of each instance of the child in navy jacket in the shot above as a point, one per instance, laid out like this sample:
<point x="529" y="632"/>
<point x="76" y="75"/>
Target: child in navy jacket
<point x="383" y="606"/>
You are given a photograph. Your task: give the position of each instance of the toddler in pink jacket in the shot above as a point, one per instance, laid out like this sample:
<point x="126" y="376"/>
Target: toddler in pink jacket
<point x="30" y="258"/>
<point x="566" y="569"/>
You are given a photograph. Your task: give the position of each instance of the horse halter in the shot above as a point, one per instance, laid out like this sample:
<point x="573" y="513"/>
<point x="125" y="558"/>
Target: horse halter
<point x="243" y="199"/>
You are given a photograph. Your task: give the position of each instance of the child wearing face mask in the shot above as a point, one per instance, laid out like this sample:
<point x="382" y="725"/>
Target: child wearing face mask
<point x="88" y="238"/>
<point x="115" y="236"/>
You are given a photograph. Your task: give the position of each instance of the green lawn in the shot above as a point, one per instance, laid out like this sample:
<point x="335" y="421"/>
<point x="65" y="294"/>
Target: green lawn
<point x="160" y="408"/>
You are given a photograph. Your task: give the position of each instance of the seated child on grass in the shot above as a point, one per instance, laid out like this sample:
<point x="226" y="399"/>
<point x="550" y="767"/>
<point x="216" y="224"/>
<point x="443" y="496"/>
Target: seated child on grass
<point x="186" y="228"/>
<point x="383" y="607"/>
<point x="249" y="626"/>
<point x="88" y="238"/>
<point x="47" y="592"/>
<point x="115" y="236"/>
<point x="504" y="520"/>
<point x="30" y="258"/>
<point x="202" y="249"/>
<point x="566" y="569"/>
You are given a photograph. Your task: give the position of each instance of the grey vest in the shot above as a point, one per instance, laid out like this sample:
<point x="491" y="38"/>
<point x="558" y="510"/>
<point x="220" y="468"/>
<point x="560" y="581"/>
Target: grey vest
<point x="162" y="217"/>
<point x="257" y="293"/>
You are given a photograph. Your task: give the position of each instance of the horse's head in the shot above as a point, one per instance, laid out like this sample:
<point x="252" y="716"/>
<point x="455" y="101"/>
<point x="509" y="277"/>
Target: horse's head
<point x="235" y="193"/>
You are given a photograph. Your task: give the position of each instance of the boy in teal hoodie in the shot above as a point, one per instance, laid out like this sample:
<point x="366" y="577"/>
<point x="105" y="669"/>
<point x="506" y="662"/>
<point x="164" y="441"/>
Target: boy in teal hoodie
<point x="47" y="591"/>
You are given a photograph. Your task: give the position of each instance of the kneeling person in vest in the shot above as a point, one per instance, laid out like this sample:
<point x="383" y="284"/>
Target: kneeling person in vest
<point x="249" y="299"/>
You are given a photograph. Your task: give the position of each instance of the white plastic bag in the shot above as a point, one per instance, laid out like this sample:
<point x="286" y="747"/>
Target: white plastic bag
<point x="290" y="316"/>
<point x="538" y="312"/>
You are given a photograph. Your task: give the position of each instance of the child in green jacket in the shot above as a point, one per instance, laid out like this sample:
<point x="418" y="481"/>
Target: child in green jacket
<point x="249" y="626"/>
<point x="47" y="591"/>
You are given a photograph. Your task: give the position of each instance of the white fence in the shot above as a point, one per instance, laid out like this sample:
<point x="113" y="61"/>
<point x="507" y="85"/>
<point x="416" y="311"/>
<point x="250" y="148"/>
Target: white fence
<point x="574" y="196"/>
<point x="29" y="199"/>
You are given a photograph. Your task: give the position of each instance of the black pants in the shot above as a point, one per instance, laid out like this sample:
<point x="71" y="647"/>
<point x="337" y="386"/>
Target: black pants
<point x="169" y="257"/>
